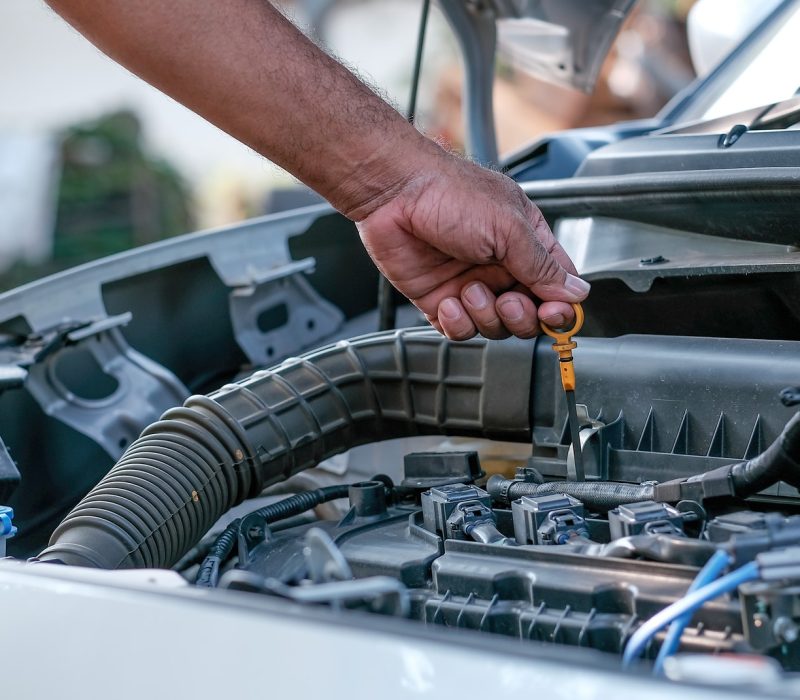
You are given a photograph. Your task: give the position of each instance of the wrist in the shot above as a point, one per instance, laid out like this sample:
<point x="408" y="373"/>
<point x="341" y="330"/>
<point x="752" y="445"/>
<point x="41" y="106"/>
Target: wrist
<point x="389" y="167"/>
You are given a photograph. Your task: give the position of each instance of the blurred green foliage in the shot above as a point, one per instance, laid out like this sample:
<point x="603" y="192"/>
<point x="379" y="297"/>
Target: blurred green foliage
<point x="112" y="196"/>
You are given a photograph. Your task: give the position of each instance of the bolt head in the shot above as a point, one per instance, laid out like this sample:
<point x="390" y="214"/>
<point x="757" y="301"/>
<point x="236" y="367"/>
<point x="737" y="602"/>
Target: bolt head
<point x="786" y="630"/>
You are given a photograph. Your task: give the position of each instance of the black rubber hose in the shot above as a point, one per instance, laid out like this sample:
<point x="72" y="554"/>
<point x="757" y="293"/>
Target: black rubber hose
<point x="188" y="469"/>
<point x="779" y="462"/>
<point x="599" y="496"/>
<point x="220" y="550"/>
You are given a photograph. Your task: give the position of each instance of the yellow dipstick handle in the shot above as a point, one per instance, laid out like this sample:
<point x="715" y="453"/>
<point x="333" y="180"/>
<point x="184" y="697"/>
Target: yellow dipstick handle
<point x="564" y="345"/>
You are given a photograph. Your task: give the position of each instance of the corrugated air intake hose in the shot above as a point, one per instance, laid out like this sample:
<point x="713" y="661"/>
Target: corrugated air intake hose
<point x="203" y="458"/>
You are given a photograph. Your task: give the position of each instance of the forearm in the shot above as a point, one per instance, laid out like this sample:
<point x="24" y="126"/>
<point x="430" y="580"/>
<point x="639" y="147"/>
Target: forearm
<point x="246" y="69"/>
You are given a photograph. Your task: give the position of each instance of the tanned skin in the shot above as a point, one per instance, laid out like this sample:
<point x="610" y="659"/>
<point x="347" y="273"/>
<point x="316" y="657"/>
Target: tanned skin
<point x="463" y="243"/>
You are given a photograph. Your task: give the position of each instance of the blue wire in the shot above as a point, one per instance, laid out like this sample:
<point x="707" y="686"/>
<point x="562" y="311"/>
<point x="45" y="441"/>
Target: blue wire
<point x="688" y="604"/>
<point x="718" y="562"/>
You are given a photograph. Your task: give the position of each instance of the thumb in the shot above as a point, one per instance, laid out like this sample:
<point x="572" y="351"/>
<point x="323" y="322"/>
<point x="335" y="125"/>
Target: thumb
<point x="538" y="267"/>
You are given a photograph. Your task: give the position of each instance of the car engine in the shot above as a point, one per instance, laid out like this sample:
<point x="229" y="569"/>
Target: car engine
<point x="687" y="469"/>
<point x="210" y="463"/>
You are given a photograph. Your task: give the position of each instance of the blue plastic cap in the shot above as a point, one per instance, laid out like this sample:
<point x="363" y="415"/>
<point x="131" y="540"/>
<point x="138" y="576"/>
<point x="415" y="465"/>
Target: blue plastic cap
<point x="7" y="528"/>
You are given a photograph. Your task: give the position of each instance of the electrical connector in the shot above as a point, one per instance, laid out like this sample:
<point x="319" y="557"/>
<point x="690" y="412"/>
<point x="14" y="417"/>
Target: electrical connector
<point x="779" y="532"/>
<point x="7" y="528"/>
<point x="779" y="564"/>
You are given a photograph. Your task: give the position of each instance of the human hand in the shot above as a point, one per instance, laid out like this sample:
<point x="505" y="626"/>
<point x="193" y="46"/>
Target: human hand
<point x="472" y="252"/>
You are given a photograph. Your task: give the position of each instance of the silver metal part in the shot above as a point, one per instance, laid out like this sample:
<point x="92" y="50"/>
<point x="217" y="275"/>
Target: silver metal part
<point x="605" y="248"/>
<point x="302" y="317"/>
<point x="324" y="560"/>
<point x="267" y="633"/>
<point x="589" y="427"/>
<point x="786" y="630"/>
<point x="561" y="41"/>
<point x="575" y="470"/>
<point x="252" y="259"/>
<point x="144" y="389"/>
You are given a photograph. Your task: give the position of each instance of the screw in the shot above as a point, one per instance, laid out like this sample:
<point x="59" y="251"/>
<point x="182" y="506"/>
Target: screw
<point x="785" y="630"/>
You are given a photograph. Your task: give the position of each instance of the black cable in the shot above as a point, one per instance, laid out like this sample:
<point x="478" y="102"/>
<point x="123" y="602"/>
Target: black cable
<point x="595" y="495"/>
<point x="221" y="549"/>
<point x="387" y="300"/>
<point x="411" y="115"/>
<point x="779" y="462"/>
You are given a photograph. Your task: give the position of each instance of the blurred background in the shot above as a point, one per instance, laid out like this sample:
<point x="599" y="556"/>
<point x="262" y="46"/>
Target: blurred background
<point x="94" y="161"/>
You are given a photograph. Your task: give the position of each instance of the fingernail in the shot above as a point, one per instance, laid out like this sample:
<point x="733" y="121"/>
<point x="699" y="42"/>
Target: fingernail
<point x="511" y="309"/>
<point x="476" y="297"/>
<point x="577" y="286"/>
<point x="450" y="308"/>
<point x="555" y="321"/>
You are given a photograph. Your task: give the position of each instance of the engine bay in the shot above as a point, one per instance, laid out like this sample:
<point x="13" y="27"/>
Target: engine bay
<point x="211" y="464"/>
<point x="409" y="482"/>
<point x="684" y="539"/>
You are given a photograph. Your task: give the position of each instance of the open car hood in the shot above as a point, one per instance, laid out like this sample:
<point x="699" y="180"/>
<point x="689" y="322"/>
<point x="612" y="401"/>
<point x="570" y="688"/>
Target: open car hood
<point x="561" y="41"/>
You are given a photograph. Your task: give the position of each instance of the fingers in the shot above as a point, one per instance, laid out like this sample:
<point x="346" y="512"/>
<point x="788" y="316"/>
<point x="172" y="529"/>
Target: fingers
<point x="480" y="303"/>
<point x="479" y="311"/>
<point x="434" y="322"/>
<point x="512" y="313"/>
<point x="518" y="314"/>
<point x="556" y="314"/>
<point x="492" y="279"/>
<point x="454" y="321"/>
<point x="486" y="299"/>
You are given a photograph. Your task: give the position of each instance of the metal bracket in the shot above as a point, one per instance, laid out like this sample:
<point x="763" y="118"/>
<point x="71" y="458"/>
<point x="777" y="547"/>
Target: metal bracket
<point x="324" y="561"/>
<point x="144" y="389"/>
<point x="280" y="313"/>
<point x="589" y="427"/>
